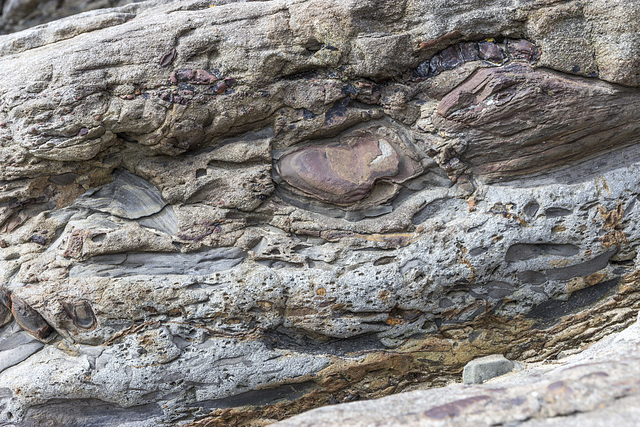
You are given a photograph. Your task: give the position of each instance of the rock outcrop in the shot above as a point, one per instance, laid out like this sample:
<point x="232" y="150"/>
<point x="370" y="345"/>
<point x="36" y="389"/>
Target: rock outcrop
<point x="227" y="213"/>
<point x="16" y="15"/>
<point x="596" y="387"/>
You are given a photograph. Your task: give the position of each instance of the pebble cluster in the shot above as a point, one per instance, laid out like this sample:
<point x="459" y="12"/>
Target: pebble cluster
<point x="488" y="50"/>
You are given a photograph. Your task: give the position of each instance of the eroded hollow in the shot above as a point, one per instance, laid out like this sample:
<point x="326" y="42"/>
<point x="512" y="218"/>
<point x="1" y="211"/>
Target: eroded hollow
<point x="524" y="251"/>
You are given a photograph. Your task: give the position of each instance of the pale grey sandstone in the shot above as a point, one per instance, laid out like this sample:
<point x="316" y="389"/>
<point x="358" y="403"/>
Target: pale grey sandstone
<point x="484" y="368"/>
<point x="164" y="241"/>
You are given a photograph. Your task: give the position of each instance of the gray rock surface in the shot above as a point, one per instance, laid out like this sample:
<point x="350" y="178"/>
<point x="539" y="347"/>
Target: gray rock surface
<point x="484" y="368"/>
<point x="226" y="212"/>
<point x="16" y="15"/>
<point x="595" y="387"/>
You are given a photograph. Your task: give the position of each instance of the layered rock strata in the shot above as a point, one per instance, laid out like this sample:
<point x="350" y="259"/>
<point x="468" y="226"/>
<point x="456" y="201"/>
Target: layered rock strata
<point x="596" y="387"/>
<point x="220" y="212"/>
<point x="16" y="15"/>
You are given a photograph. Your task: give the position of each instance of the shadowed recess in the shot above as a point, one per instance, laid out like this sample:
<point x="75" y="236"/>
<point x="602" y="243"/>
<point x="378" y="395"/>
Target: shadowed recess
<point x="87" y="413"/>
<point x="524" y="251"/>
<point x="260" y="397"/>
<point x="551" y="311"/>
<point x="141" y="263"/>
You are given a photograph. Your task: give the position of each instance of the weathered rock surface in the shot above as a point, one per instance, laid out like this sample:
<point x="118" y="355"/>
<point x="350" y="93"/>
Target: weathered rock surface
<point x="227" y="212"/>
<point x="484" y="368"/>
<point x="596" y="387"/>
<point x="16" y="15"/>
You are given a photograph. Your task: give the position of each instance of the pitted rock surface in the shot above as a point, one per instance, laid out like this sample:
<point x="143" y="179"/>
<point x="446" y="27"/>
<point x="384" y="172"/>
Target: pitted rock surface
<point x="226" y="212"/>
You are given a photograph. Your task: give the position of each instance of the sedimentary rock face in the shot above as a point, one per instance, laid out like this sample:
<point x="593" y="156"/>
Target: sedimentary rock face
<point x="520" y="121"/>
<point x="297" y="202"/>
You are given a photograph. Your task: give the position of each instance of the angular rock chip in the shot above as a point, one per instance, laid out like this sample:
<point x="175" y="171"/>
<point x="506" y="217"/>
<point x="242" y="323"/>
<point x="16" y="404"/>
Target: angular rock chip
<point x="168" y="58"/>
<point x="345" y="172"/>
<point x="468" y="52"/>
<point x="480" y="370"/>
<point x="490" y="51"/>
<point x="127" y="196"/>
<point x="450" y="58"/>
<point x="30" y="320"/>
<point x="523" y="49"/>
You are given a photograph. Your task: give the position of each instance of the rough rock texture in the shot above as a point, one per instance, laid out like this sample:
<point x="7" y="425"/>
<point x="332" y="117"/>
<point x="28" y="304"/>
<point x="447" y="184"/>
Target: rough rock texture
<point x="484" y="368"/>
<point x="596" y="387"/>
<point x="228" y="213"/>
<point x="17" y="15"/>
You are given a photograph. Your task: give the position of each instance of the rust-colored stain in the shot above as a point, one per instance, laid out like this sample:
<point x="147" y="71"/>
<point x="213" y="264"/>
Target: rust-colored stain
<point x="465" y="261"/>
<point x="612" y="223"/>
<point x="472" y="204"/>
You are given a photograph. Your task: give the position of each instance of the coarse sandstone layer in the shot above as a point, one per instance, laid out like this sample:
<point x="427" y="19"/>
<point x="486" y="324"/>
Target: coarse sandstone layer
<point x="232" y="212"/>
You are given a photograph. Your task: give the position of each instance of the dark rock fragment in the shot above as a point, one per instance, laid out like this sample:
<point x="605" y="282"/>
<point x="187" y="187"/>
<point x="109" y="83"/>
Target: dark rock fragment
<point x="168" y="58"/>
<point x="521" y="120"/>
<point x="450" y="58"/>
<point x="128" y="196"/>
<point x="30" y="320"/>
<point x="220" y="88"/>
<point x="423" y="69"/>
<point x="468" y="52"/>
<point x="523" y="49"/>
<point x="202" y="77"/>
<point x="64" y="179"/>
<point x="490" y="51"/>
<point x="39" y="240"/>
<point x="5" y="315"/>
<point x="173" y="98"/>
<point x="337" y="114"/>
<point x="5" y="297"/>
<point x="81" y="313"/>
